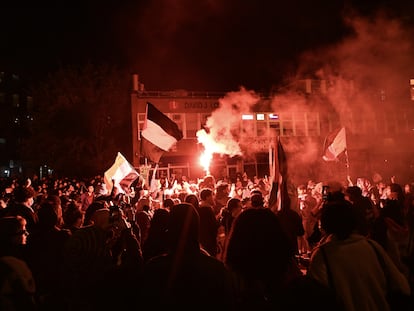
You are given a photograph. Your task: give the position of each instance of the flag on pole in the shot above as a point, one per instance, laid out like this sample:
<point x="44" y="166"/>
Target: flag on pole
<point x="335" y="144"/>
<point x="121" y="175"/>
<point x="278" y="196"/>
<point x="159" y="134"/>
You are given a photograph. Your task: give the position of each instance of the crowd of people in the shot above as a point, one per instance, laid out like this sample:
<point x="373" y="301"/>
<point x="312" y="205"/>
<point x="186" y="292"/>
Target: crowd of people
<point x="67" y="244"/>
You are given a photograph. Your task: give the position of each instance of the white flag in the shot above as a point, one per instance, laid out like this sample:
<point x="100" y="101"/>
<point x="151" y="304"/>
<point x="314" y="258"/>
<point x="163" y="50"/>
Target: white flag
<point x="121" y="175"/>
<point x="335" y="144"/>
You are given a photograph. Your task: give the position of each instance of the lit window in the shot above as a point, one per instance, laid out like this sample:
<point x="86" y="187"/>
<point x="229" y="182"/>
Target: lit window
<point x="260" y="116"/>
<point x="247" y="117"/>
<point x="273" y="116"/>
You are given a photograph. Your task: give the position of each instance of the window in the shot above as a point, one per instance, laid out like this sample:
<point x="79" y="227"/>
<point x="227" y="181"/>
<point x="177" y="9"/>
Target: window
<point x="287" y="128"/>
<point x="262" y="129"/>
<point x="313" y="124"/>
<point x="191" y="125"/>
<point x="179" y="119"/>
<point x="274" y="123"/>
<point x="248" y="128"/>
<point x="300" y="125"/>
<point x="140" y="123"/>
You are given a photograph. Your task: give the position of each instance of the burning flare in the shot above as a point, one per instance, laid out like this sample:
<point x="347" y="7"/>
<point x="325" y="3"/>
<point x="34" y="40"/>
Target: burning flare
<point x="223" y="126"/>
<point x="212" y="146"/>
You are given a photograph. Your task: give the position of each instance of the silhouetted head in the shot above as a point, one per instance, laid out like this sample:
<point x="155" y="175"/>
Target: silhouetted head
<point x="233" y="203"/>
<point x="258" y="248"/>
<point x="50" y="215"/>
<point x="257" y="200"/>
<point x="12" y="233"/>
<point x="192" y="199"/>
<point x="353" y="192"/>
<point x="22" y="194"/>
<point x="159" y="220"/>
<point x="209" y="181"/>
<point x="338" y="218"/>
<point x="206" y="194"/>
<point x="92" y="208"/>
<point x="73" y="215"/>
<point x="168" y="203"/>
<point x="396" y="191"/>
<point x="183" y="228"/>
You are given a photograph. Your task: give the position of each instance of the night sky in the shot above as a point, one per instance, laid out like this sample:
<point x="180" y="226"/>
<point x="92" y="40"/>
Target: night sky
<point x="211" y="45"/>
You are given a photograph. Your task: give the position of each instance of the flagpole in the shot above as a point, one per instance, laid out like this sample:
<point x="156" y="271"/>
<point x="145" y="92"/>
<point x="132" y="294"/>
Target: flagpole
<point x="270" y="161"/>
<point x="277" y="169"/>
<point x="346" y="159"/>
<point x="347" y="163"/>
<point x="155" y="170"/>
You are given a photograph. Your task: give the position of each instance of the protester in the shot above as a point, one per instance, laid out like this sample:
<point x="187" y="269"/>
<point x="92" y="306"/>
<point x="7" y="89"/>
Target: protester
<point x="156" y="242"/>
<point x="356" y="268"/>
<point x="265" y="275"/>
<point x="17" y="285"/>
<point x="100" y="261"/>
<point x="186" y="277"/>
<point x="45" y="252"/>
<point x="97" y="254"/>
<point x="209" y="223"/>
<point x="22" y="204"/>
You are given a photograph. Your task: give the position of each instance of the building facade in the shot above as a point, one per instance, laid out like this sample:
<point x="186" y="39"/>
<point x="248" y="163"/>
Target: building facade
<point x="16" y="109"/>
<point x="381" y="142"/>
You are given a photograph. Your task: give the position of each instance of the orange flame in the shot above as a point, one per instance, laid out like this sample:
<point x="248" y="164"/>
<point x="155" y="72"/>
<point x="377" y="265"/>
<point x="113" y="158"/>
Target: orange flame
<point x="205" y="160"/>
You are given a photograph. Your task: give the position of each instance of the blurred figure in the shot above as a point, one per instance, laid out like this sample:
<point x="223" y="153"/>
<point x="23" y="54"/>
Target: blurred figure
<point x="168" y="202"/>
<point x="222" y="196"/>
<point x="156" y="242"/>
<point x="257" y="200"/>
<point x="143" y="215"/>
<point x="17" y="285"/>
<point x="351" y="264"/>
<point x="87" y="197"/>
<point x="209" y="224"/>
<point x="208" y="182"/>
<point x="307" y="207"/>
<point x="227" y="215"/>
<point x="186" y="277"/>
<point x="292" y="224"/>
<point x="363" y="208"/>
<point x="73" y="217"/>
<point x="100" y="262"/>
<point x="366" y="186"/>
<point x="45" y="252"/>
<point x="232" y="209"/>
<point x="396" y="223"/>
<point x="265" y="275"/>
<point x="22" y="204"/>
<point x="193" y="200"/>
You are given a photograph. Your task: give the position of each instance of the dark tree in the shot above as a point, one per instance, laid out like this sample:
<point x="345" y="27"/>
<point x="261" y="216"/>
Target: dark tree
<point x="81" y="120"/>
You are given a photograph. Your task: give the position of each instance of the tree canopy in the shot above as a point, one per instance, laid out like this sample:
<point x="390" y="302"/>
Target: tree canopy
<point x="81" y="119"/>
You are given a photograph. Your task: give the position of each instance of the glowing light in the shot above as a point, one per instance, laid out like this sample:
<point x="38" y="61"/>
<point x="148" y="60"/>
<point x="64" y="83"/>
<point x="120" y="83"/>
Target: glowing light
<point x="247" y="117"/>
<point x="273" y="116"/>
<point x="205" y="160"/>
<point x="212" y="144"/>
<point x="260" y="117"/>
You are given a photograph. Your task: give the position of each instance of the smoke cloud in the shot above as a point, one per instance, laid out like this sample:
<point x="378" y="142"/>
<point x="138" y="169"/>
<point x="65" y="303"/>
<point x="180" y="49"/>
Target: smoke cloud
<point x="367" y="72"/>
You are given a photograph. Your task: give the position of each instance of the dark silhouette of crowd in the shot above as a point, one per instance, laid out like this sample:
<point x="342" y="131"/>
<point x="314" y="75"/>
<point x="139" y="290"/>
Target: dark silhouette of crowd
<point x="66" y="244"/>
